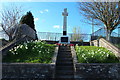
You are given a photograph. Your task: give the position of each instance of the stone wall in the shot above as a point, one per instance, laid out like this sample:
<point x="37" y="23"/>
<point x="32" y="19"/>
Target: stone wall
<point x="115" y="40"/>
<point x="95" y="71"/>
<point x="101" y="71"/>
<point x="3" y="42"/>
<point x="89" y="71"/>
<point x="104" y="43"/>
<point x="30" y="70"/>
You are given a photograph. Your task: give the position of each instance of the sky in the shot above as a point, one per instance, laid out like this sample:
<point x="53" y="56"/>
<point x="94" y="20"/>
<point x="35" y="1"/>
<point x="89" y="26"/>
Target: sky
<point x="48" y="16"/>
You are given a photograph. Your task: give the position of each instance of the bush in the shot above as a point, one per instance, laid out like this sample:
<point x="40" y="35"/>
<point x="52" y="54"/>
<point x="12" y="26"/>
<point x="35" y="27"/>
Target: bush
<point x="31" y="52"/>
<point x="92" y="54"/>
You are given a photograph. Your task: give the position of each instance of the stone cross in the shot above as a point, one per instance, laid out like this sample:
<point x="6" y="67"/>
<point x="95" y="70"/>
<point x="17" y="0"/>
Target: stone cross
<point x="65" y="14"/>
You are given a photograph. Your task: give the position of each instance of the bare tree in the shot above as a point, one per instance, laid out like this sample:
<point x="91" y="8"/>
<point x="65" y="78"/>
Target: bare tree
<point x="106" y="13"/>
<point x="76" y="34"/>
<point x="10" y="16"/>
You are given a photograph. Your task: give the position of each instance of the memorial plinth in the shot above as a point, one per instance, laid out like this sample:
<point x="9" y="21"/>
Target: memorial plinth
<point x="64" y="39"/>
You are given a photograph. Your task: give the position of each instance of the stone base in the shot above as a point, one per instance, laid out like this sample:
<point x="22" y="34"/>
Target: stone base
<point x="64" y="40"/>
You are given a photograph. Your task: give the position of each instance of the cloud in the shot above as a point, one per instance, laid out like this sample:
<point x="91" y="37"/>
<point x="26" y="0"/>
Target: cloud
<point x="46" y="10"/>
<point x="36" y="19"/>
<point x="43" y="11"/>
<point x="56" y="26"/>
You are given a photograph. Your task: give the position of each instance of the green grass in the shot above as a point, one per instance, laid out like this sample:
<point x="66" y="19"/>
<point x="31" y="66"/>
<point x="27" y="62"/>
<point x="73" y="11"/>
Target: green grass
<point x="31" y="52"/>
<point x="92" y="54"/>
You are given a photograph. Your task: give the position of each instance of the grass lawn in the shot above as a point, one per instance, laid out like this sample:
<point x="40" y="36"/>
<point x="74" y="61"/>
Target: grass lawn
<point x="92" y="54"/>
<point x="31" y="52"/>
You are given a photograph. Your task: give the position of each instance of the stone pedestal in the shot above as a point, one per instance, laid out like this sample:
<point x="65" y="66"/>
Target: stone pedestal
<point x="64" y="39"/>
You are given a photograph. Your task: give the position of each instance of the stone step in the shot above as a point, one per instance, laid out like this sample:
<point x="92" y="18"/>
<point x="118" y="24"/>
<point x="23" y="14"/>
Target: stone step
<point x="64" y="63"/>
<point x="64" y="68"/>
<point x="64" y="48"/>
<point x="65" y="51"/>
<point x="67" y="77"/>
<point x="65" y="56"/>
<point x="64" y="59"/>
<point x="65" y="72"/>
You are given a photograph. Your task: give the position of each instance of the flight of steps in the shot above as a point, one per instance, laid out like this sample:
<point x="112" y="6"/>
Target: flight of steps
<point x="64" y="64"/>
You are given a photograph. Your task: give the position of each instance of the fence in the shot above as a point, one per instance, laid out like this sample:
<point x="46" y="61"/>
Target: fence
<point x="56" y="36"/>
<point x="102" y="32"/>
<point x="3" y="35"/>
<point x="115" y="37"/>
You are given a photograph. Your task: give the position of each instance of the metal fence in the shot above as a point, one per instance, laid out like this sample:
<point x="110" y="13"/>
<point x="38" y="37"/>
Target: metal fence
<point x="102" y="33"/>
<point x="56" y="36"/>
<point x="3" y="35"/>
<point x="115" y="37"/>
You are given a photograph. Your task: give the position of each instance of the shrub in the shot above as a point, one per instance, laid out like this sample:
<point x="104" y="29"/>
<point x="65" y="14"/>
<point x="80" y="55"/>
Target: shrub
<point x="92" y="54"/>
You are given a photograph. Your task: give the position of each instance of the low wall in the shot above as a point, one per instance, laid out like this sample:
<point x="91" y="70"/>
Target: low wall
<point x="98" y="71"/>
<point x="104" y="43"/>
<point x="3" y="42"/>
<point x="115" y="40"/>
<point x="29" y="70"/>
<point x="95" y="71"/>
<point x="24" y="70"/>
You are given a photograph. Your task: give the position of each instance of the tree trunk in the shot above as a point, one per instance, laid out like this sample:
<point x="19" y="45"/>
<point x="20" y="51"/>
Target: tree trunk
<point x="108" y="35"/>
<point x="10" y="38"/>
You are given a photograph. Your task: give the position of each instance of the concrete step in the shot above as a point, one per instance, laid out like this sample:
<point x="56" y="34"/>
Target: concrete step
<point x="64" y="68"/>
<point x="64" y="63"/>
<point x="67" y="77"/>
<point x="64" y="59"/>
<point x="65" y="56"/>
<point x="65" y="51"/>
<point x="64" y="48"/>
<point x="65" y="72"/>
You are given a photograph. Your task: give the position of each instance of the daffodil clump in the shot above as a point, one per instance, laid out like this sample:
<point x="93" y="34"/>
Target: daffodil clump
<point x="92" y="54"/>
<point x="31" y="52"/>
